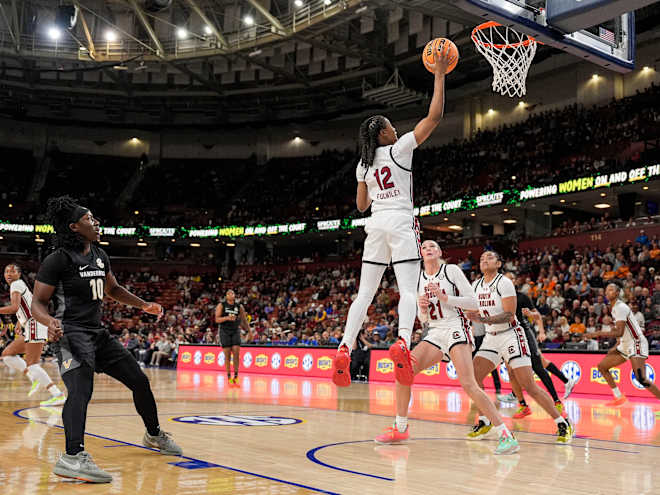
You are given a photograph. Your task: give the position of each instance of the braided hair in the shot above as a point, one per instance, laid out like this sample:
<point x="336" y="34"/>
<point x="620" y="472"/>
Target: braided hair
<point x="368" y="138"/>
<point x="60" y="211"/>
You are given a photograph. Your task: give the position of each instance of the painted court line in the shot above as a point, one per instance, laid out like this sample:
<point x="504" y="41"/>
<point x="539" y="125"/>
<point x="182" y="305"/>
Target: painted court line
<point x="18" y="412"/>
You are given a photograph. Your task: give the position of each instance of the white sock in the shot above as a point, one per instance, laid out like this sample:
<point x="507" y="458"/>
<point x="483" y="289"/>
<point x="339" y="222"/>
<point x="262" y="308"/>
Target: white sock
<point x="485" y="420"/>
<point x="502" y="430"/>
<point x="407" y="276"/>
<point x="15" y="362"/>
<point x="370" y="278"/>
<point x="36" y="372"/>
<point x="616" y="392"/>
<point x="401" y="423"/>
<point x="560" y="419"/>
<point x="405" y="334"/>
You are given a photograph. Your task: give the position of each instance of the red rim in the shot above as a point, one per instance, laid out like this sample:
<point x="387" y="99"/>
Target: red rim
<point x="491" y="24"/>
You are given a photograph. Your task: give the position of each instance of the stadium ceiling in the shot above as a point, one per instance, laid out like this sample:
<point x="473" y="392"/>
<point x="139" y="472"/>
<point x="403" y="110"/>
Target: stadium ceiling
<point x="218" y="62"/>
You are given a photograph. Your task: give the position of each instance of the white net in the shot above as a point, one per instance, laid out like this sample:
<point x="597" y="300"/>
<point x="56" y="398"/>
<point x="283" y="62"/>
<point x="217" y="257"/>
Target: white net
<point x="509" y="52"/>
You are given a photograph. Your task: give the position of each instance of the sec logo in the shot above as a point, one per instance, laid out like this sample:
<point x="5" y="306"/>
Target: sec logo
<point x="650" y="376"/>
<point x="247" y="359"/>
<point x="221" y="359"/>
<point x="186" y="357"/>
<point x="275" y="361"/>
<point x="504" y="373"/>
<point x="197" y="358"/>
<point x="572" y="371"/>
<point x="307" y="362"/>
<point x="451" y="371"/>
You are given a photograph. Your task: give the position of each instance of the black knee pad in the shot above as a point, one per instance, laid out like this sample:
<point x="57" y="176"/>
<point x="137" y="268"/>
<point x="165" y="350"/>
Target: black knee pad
<point x="641" y="378"/>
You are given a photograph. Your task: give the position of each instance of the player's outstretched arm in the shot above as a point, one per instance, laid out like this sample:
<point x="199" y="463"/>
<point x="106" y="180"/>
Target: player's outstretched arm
<point x="427" y="125"/>
<point x="120" y="294"/>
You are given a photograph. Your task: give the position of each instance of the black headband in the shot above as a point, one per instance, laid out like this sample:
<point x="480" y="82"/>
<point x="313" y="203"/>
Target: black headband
<point x="78" y="213"/>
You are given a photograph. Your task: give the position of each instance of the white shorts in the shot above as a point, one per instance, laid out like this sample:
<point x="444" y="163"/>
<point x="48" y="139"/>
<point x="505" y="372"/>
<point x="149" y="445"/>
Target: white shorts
<point x="510" y="346"/>
<point x="33" y="331"/>
<point x="392" y="237"/>
<point x="446" y="337"/>
<point x="634" y="348"/>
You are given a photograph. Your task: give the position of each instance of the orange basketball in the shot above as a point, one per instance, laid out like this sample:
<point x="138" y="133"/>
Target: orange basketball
<point x="439" y="45"/>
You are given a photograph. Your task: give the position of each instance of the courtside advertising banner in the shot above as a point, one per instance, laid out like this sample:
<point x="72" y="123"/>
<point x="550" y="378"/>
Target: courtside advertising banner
<point x="288" y="361"/>
<point x="580" y="367"/>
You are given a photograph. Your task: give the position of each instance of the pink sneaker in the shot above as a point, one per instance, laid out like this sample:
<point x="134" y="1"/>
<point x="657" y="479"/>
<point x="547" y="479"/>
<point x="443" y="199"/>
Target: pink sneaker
<point x="403" y="363"/>
<point x="341" y="367"/>
<point x="392" y="435"/>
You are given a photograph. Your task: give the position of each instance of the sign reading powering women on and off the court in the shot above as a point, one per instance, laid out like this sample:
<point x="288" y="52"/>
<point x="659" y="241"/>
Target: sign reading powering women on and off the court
<point x="292" y="361"/>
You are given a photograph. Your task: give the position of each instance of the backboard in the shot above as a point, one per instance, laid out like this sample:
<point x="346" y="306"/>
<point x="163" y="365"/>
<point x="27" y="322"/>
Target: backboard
<point x="609" y="43"/>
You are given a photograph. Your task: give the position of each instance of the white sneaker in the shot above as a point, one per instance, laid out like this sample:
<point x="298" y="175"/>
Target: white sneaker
<point x="568" y="388"/>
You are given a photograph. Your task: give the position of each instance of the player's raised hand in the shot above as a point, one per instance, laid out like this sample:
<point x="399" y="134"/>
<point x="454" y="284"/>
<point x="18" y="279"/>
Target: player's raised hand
<point x="423" y="302"/>
<point x="473" y="315"/>
<point x="443" y="60"/>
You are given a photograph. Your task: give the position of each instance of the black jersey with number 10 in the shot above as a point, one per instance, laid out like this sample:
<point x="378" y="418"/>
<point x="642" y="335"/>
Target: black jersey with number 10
<point x="79" y="282"/>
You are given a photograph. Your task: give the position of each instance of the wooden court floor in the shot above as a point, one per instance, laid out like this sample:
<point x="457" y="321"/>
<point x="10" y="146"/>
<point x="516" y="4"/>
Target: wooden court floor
<point x="277" y="435"/>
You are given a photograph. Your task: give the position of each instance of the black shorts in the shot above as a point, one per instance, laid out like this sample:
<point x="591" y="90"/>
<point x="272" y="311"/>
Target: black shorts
<point x="531" y="341"/>
<point x="97" y="349"/>
<point x="229" y="339"/>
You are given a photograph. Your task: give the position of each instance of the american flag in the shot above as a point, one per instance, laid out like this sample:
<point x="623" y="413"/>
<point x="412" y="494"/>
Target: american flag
<point x="606" y="34"/>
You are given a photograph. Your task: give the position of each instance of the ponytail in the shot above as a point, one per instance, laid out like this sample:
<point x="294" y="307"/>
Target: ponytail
<point x="368" y="138"/>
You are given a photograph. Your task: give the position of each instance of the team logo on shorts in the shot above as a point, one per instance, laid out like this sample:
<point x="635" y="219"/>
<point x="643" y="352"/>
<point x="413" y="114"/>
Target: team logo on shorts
<point x="650" y="376"/>
<point x="307" y="362"/>
<point x="572" y="370"/>
<point x="597" y="377"/>
<point x="504" y="373"/>
<point x="456" y="335"/>
<point x="197" y="359"/>
<point x="324" y="363"/>
<point x="275" y="361"/>
<point x="99" y="263"/>
<point x="209" y="358"/>
<point x="186" y="357"/>
<point x="451" y="371"/>
<point x="247" y="359"/>
<point x="237" y="420"/>
<point x="221" y="359"/>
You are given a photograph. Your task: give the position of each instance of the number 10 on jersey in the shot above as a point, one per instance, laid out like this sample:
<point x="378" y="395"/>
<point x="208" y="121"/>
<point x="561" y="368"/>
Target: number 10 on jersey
<point x="97" y="289"/>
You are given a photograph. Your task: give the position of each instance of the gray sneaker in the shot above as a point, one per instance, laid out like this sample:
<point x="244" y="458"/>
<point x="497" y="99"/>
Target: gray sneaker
<point x="80" y="467"/>
<point x="510" y="398"/>
<point x="163" y="442"/>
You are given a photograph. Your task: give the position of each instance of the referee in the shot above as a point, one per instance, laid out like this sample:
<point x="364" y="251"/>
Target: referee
<point x="78" y="275"/>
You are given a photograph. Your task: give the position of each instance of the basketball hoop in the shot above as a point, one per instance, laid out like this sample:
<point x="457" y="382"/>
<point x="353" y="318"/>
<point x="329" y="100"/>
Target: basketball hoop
<point x="509" y="52"/>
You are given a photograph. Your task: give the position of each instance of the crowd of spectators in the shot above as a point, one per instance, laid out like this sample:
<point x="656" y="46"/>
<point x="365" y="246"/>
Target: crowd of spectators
<point x="306" y="304"/>
<point x="547" y="147"/>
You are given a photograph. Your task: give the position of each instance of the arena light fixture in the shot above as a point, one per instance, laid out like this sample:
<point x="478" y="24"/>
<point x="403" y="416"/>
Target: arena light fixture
<point x="557" y="212"/>
<point x="54" y="33"/>
<point x="562" y="201"/>
<point x="646" y="68"/>
<point x="173" y="240"/>
<point x="104" y="243"/>
<point x="181" y="33"/>
<point x="137" y="212"/>
<point x="646" y="188"/>
<point x="522" y="104"/>
<point x="595" y="77"/>
<point x="327" y="2"/>
<point x="231" y="244"/>
<point x="11" y="205"/>
<point x="602" y="206"/>
<point x="195" y="244"/>
<point x="135" y="140"/>
<point x="446" y="219"/>
<point x="110" y="35"/>
<point x="513" y="177"/>
<point x="248" y="20"/>
<point x="208" y="30"/>
<point x="473" y="214"/>
<point x="491" y="111"/>
<point x="298" y="3"/>
<point x="142" y="244"/>
<point x="39" y="240"/>
<point x="455" y="227"/>
<point x="602" y="195"/>
<point x="505" y="209"/>
<point x="510" y="221"/>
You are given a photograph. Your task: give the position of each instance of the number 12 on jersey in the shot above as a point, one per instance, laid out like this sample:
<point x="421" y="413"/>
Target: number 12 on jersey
<point x="97" y="289"/>
<point x="385" y="183"/>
